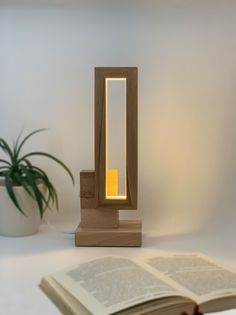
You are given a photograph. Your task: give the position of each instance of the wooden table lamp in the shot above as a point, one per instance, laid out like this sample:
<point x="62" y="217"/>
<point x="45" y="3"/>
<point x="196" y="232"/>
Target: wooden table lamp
<point x="109" y="188"/>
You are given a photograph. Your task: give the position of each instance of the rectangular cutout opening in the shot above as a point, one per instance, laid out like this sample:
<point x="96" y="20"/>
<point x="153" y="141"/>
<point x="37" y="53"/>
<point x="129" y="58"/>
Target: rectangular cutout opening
<point x="115" y="181"/>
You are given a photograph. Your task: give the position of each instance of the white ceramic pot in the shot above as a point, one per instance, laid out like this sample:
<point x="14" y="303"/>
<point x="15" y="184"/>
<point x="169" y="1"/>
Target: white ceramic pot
<point x="12" y="221"/>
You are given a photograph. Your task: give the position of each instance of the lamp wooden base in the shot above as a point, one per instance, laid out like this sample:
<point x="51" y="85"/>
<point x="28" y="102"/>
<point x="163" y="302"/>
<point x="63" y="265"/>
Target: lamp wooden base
<point x="127" y="234"/>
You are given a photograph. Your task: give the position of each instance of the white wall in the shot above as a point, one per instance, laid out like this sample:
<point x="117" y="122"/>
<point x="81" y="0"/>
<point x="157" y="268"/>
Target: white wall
<point x="186" y="55"/>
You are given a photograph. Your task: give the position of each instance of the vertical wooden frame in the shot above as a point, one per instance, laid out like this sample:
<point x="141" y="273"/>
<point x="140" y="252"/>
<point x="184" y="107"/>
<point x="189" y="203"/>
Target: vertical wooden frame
<point x="130" y="73"/>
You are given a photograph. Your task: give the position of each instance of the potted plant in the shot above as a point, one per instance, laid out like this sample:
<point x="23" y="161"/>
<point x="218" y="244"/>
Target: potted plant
<point x="25" y="189"/>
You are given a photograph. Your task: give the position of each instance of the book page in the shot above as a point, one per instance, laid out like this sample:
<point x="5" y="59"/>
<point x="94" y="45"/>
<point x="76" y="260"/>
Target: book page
<point x="202" y="277"/>
<point x="110" y="284"/>
<point x="66" y="303"/>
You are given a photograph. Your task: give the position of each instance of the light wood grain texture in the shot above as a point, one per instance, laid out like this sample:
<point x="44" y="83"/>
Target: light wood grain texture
<point x="130" y="73"/>
<point x="87" y="189"/>
<point x="99" y="218"/>
<point x="100" y="224"/>
<point x="128" y="234"/>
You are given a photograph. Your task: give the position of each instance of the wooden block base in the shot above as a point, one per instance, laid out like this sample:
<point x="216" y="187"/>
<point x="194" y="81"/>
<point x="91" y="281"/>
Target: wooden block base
<point x="96" y="218"/>
<point x="128" y="234"/>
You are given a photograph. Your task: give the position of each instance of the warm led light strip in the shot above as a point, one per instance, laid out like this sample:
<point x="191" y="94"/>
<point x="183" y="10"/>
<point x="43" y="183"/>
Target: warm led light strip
<point x="118" y="197"/>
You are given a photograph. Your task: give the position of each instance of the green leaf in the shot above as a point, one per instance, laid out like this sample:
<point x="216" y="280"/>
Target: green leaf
<point x="11" y="193"/>
<point x="17" y="142"/>
<point x="22" y="182"/>
<point x="20" y="171"/>
<point x="37" y="193"/>
<point x="19" y="147"/>
<point x="3" y="171"/>
<point x="5" y="162"/>
<point x="4" y="167"/>
<point x="47" y="184"/>
<point x="53" y="158"/>
<point x="28" y="163"/>
<point x="5" y="147"/>
<point x="54" y="195"/>
<point x="51" y="189"/>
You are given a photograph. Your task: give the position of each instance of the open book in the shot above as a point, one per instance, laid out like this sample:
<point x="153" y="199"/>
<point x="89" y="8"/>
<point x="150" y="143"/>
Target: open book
<point x="165" y="285"/>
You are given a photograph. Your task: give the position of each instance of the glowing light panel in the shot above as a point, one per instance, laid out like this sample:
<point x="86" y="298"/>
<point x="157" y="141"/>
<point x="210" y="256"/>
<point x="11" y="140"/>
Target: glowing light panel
<point x="115" y="139"/>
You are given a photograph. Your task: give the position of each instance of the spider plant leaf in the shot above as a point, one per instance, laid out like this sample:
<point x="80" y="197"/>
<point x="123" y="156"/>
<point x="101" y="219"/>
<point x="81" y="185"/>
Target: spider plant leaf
<point x="11" y="193"/>
<point x="40" y="171"/>
<point x="5" y="147"/>
<point x="4" y="168"/>
<point x="22" y="182"/>
<point x="19" y="146"/>
<point x="53" y="158"/>
<point x="37" y="193"/>
<point x="51" y="189"/>
<point x="55" y="197"/>
<point x="44" y="178"/>
<point x="52" y="194"/>
<point x="47" y="183"/>
<point x="28" y="163"/>
<point x="17" y="142"/>
<point x="5" y="162"/>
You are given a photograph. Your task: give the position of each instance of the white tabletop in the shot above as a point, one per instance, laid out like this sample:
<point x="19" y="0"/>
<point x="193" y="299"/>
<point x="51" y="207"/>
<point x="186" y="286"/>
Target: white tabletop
<point x="24" y="260"/>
